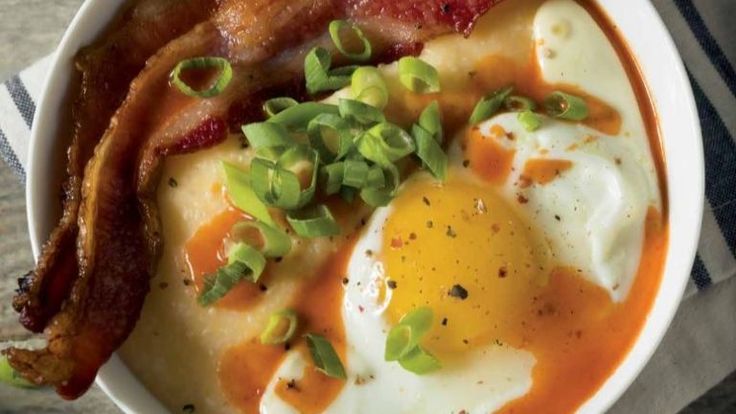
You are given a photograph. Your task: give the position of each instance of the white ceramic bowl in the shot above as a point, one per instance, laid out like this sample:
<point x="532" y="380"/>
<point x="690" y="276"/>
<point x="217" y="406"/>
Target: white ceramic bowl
<point x="664" y="75"/>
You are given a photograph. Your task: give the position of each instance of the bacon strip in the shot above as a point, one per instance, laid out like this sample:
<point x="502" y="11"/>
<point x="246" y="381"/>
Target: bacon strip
<point x="106" y="72"/>
<point x="119" y="229"/>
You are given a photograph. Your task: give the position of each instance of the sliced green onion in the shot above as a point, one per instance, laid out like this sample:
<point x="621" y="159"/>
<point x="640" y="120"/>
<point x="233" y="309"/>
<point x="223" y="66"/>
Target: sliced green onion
<point x="355" y="173"/>
<point x="242" y="195"/>
<point x="244" y="263"/>
<point x="517" y="103"/>
<point x="313" y="222"/>
<point x="10" y="376"/>
<point x="274" y="242"/>
<point x="360" y="112"/>
<point x="331" y="177"/>
<point x="348" y="194"/>
<point x="405" y="336"/>
<point x="385" y="143"/>
<point x="273" y="185"/>
<point x="223" y="78"/>
<point x="280" y="328"/>
<point x="430" y="153"/>
<point x="317" y="72"/>
<point x="297" y="117"/>
<point x="418" y="76"/>
<point x="330" y="136"/>
<point x="565" y="106"/>
<point x="430" y="120"/>
<point x="336" y="26"/>
<point x="420" y="362"/>
<point x="324" y="356"/>
<point x="269" y="153"/>
<point x="296" y="160"/>
<point x="376" y="178"/>
<point x="489" y="105"/>
<point x="368" y="86"/>
<point x="267" y="134"/>
<point x="275" y="105"/>
<point x="529" y="120"/>
<point x="379" y="196"/>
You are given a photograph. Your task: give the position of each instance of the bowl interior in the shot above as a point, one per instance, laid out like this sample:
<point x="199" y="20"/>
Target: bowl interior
<point x="653" y="49"/>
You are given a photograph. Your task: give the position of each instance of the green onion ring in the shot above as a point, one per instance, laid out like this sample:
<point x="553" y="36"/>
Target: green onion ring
<point x="266" y="135"/>
<point x="275" y="105"/>
<point x="273" y="185"/>
<point x="489" y="105"/>
<point x="430" y="120"/>
<point x="382" y="195"/>
<point x="297" y="117"/>
<point x="360" y="112"/>
<point x="529" y="120"/>
<point x="318" y="75"/>
<point x="275" y="332"/>
<point x="565" y="106"/>
<point x="336" y="26"/>
<point x="355" y="174"/>
<point x="368" y="86"/>
<point x="331" y="177"/>
<point x="244" y="263"/>
<point x="237" y="183"/>
<point x="330" y="136"/>
<point x="418" y="76"/>
<point x="385" y="143"/>
<point x="324" y="356"/>
<point x="405" y="336"/>
<point x="430" y="152"/>
<point x="298" y="157"/>
<point x="223" y="78"/>
<point x="420" y="362"/>
<point x="313" y="222"/>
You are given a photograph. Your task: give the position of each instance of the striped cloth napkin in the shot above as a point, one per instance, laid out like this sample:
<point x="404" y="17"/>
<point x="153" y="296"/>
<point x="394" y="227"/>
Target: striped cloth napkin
<point x="700" y="347"/>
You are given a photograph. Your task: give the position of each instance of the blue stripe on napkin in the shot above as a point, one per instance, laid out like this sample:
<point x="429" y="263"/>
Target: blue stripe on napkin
<point x="21" y="99"/>
<point x="10" y="158"/>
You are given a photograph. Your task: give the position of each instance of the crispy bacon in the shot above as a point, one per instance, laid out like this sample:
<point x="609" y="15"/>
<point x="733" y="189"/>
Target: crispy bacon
<point x="119" y="231"/>
<point x="106" y="68"/>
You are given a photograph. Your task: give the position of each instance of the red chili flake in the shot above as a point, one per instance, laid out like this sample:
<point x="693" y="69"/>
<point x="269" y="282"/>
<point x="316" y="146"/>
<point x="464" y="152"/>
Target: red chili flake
<point x="397" y="243"/>
<point x="361" y="309"/>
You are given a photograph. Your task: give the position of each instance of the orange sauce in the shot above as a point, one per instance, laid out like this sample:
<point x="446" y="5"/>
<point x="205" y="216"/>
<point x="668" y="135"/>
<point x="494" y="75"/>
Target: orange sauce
<point x="579" y="336"/>
<point x="246" y="369"/>
<point x="205" y="253"/>
<point x="543" y="170"/>
<point x="488" y="158"/>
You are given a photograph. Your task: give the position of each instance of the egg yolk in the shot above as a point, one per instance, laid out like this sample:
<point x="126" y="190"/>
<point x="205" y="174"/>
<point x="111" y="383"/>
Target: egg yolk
<point x="461" y="250"/>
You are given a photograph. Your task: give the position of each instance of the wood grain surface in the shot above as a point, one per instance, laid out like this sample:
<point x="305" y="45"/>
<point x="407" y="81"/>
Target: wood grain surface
<point x="30" y="29"/>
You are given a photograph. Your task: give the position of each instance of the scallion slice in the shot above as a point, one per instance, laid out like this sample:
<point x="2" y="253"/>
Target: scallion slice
<point x="219" y="85"/>
<point x="430" y="152"/>
<point x="431" y="121"/>
<point x="489" y="105"/>
<point x="273" y="185"/>
<point x="273" y="241"/>
<point x="420" y="362"/>
<point x="331" y="177"/>
<point x="330" y="136"/>
<point x="266" y="135"/>
<point x="300" y="160"/>
<point x="324" y="356"/>
<point x="313" y="222"/>
<point x="516" y="103"/>
<point x="244" y="263"/>
<point x="405" y="336"/>
<point x="318" y="75"/>
<point x="385" y="143"/>
<point x="242" y="195"/>
<point x="418" y="76"/>
<point x="368" y="86"/>
<point x="355" y="173"/>
<point x="297" y="117"/>
<point x="381" y="195"/>
<point x="10" y="376"/>
<point x="280" y="328"/>
<point x="275" y="105"/>
<point x="360" y="112"/>
<point x="337" y="26"/>
<point x="529" y="120"/>
<point x="565" y="106"/>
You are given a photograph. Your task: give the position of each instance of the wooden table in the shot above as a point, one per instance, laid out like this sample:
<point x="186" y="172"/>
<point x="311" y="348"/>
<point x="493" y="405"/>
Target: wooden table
<point x="30" y="29"/>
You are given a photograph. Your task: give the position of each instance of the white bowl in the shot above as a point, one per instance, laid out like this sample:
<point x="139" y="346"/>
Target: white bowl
<point x="664" y="75"/>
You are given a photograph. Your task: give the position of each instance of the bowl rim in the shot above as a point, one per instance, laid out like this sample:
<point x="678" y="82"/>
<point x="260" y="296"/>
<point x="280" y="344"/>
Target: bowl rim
<point x="128" y="393"/>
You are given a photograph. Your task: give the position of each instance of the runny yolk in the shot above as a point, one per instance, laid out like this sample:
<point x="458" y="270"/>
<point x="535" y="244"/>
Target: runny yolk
<point x="205" y="253"/>
<point x="461" y="250"/>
